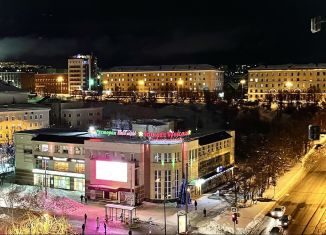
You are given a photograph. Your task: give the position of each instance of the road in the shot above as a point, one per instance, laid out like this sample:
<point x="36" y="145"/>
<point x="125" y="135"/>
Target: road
<point x="306" y="203"/>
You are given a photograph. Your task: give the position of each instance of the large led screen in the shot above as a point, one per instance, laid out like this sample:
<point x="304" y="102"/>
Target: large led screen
<point x="114" y="171"/>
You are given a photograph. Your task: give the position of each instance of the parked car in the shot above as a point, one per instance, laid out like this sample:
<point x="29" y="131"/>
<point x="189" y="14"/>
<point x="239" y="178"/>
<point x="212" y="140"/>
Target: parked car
<point x="278" y="212"/>
<point x="285" y="220"/>
<point x="276" y="231"/>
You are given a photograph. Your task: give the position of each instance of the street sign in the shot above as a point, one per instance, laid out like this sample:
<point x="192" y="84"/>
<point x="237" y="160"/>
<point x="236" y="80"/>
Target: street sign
<point x="234" y="209"/>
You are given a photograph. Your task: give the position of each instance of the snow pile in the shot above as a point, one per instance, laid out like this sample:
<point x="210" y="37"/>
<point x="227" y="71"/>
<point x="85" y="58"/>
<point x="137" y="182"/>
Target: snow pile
<point x="34" y="198"/>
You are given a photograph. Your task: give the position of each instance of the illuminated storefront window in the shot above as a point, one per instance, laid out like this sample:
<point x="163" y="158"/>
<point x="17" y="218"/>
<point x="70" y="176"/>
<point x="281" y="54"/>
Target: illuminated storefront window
<point x="61" y="166"/>
<point x="79" y="184"/>
<point x="80" y="167"/>
<point x="61" y="182"/>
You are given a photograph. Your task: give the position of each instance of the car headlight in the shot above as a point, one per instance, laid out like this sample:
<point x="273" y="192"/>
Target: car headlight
<point x="285" y="223"/>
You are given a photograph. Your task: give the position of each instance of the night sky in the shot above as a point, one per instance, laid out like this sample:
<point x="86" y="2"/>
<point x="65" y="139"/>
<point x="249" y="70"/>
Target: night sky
<point x="161" y="32"/>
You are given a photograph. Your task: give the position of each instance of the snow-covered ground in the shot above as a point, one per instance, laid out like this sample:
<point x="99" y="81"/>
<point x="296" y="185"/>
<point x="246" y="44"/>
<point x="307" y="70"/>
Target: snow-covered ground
<point x="34" y="198"/>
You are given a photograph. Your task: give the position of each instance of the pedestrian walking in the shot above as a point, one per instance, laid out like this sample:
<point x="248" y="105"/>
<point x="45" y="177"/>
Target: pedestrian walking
<point x="85" y="217"/>
<point x="86" y="199"/>
<point x="104" y="228"/>
<point x="106" y="218"/>
<point x="97" y="222"/>
<point x="130" y="232"/>
<point x="204" y="211"/>
<point x="81" y="198"/>
<point x="195" y="205"/>
<point x="83" y="229"/>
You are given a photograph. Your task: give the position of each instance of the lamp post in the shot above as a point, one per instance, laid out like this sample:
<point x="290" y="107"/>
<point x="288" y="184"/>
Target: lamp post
<point x="60" y="80"/>
<point x="242" y="82"/>
<point x="180" y="83"/>
<point x="165" y="197"/>
<point x="289" y="85"/>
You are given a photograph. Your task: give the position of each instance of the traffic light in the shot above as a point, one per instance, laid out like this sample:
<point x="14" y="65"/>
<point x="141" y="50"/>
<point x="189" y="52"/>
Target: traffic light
<point x="314" y="132"/>
<point x="235" y="218"/>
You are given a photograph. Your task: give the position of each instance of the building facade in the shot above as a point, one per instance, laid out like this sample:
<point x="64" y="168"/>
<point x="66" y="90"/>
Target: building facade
<point x="163" y="78"/>
<point x="51" y="83"/>
<point x="17" y="118"/>
<point x="82" y="117"/>
<point x="22" y="80"/>
<point x="125" y="166"/>
<point x="82" y="73"/>
<point x="287" y="82"/>
<point x="50" y="160"/>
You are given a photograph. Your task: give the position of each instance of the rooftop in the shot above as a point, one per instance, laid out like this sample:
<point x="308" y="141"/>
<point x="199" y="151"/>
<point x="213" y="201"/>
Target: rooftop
<point x="185" y="67"/>
<point x="290" y="66"/>
<point x="21" y="107"/>
<point x="7" y="87"/>
<point x="76" y="136"/>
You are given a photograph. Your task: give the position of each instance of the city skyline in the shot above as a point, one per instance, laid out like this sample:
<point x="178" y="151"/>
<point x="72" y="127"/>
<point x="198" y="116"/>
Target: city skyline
<point x="146" y="34"/>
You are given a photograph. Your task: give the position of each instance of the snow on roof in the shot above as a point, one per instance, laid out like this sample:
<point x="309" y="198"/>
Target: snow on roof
<point x="290" y="66"/>
<point x="162" y="68"/>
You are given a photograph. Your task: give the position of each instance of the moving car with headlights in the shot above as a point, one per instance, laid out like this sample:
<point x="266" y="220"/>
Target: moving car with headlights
<point x="276" y="231"/>
<point x="285" y="220"/>
<point x="278" y="212"/>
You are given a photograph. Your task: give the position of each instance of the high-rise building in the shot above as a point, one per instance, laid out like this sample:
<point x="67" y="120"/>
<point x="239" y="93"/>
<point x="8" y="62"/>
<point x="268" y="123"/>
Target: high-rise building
<point x="82" y="73"/>
<point x="287" y="82"/>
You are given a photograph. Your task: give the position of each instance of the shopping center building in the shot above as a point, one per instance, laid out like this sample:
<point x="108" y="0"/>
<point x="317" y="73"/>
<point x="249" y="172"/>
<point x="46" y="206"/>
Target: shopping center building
<point x="127" y="166"/>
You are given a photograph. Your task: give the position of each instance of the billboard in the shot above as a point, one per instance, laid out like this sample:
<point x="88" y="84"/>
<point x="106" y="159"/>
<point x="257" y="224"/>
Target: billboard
<point x="113" y="171"/>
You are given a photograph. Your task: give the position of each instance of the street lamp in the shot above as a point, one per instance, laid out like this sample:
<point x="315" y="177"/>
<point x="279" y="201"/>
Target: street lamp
<point x="60" y="80"/>
<point x="242" y="82"/>
<point x="180" y="83"/>
<point x="165" y="197"/>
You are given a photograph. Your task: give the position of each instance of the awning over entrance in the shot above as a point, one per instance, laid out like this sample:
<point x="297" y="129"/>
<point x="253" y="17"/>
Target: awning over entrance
<point x="107" y="188"/>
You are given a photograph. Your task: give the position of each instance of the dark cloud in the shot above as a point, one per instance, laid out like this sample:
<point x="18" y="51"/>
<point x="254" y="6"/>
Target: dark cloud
<point x="161" y="32"/>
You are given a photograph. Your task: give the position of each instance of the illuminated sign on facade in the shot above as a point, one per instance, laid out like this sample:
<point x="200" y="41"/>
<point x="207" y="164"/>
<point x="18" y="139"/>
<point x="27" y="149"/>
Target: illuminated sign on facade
<point x="154" y="135"/>
<point x="116" y="133"/>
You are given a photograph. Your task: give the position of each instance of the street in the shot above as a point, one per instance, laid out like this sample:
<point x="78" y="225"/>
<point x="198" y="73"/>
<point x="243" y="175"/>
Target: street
<point x="305" y="203"/>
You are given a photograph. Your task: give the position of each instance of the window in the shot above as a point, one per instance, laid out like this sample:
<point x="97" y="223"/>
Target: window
<point x="157" y="184"/>
<point x="61" y="166"/>
<point x="12" y="118"/>
<point x="41" y="116"/>
<point x="176" y="183"/>
<point x="90" y="114"/>
<point x="69" y="115"/>
<point x="35" y="117"/>
<point x="157" y="157"/>
<point x="167" y="182"/>
<point x="31" y="117"/>
<point x="78" y="114"/>
<point x="77" y="150"/>
<point x="80" y="167"/>
<point x="64" y="149"/>
<point x="61" y="182"/>
<point x="7" y="118"/>
<point x="78" y="123"/>
<point x="44" y="147"/>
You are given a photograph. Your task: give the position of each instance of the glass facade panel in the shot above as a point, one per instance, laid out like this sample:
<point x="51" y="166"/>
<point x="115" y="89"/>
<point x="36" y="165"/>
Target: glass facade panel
<point x="61" y="182"/>
<point x="79" y="184"/>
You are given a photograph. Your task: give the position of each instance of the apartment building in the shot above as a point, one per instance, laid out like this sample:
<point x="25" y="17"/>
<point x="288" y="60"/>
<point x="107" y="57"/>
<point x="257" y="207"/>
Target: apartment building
<point x="51" y="83"/>
<point x="21" y="117"/>
<point x="300" y="82"/>
<point x="163" y="78"/>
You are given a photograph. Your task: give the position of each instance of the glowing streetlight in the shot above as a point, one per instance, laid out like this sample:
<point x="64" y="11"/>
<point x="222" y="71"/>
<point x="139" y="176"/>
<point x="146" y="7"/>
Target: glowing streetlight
<point x="289" y="85"/>
<point x="60" y="80"/>
<point x="141" y="83"/>
<point x="242" y="82"/>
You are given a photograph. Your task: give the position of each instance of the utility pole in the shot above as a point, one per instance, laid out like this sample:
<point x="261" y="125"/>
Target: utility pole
<point x="164" y="215"/>
<point x="186" y="197"/>
<point x="45" y="178"/>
